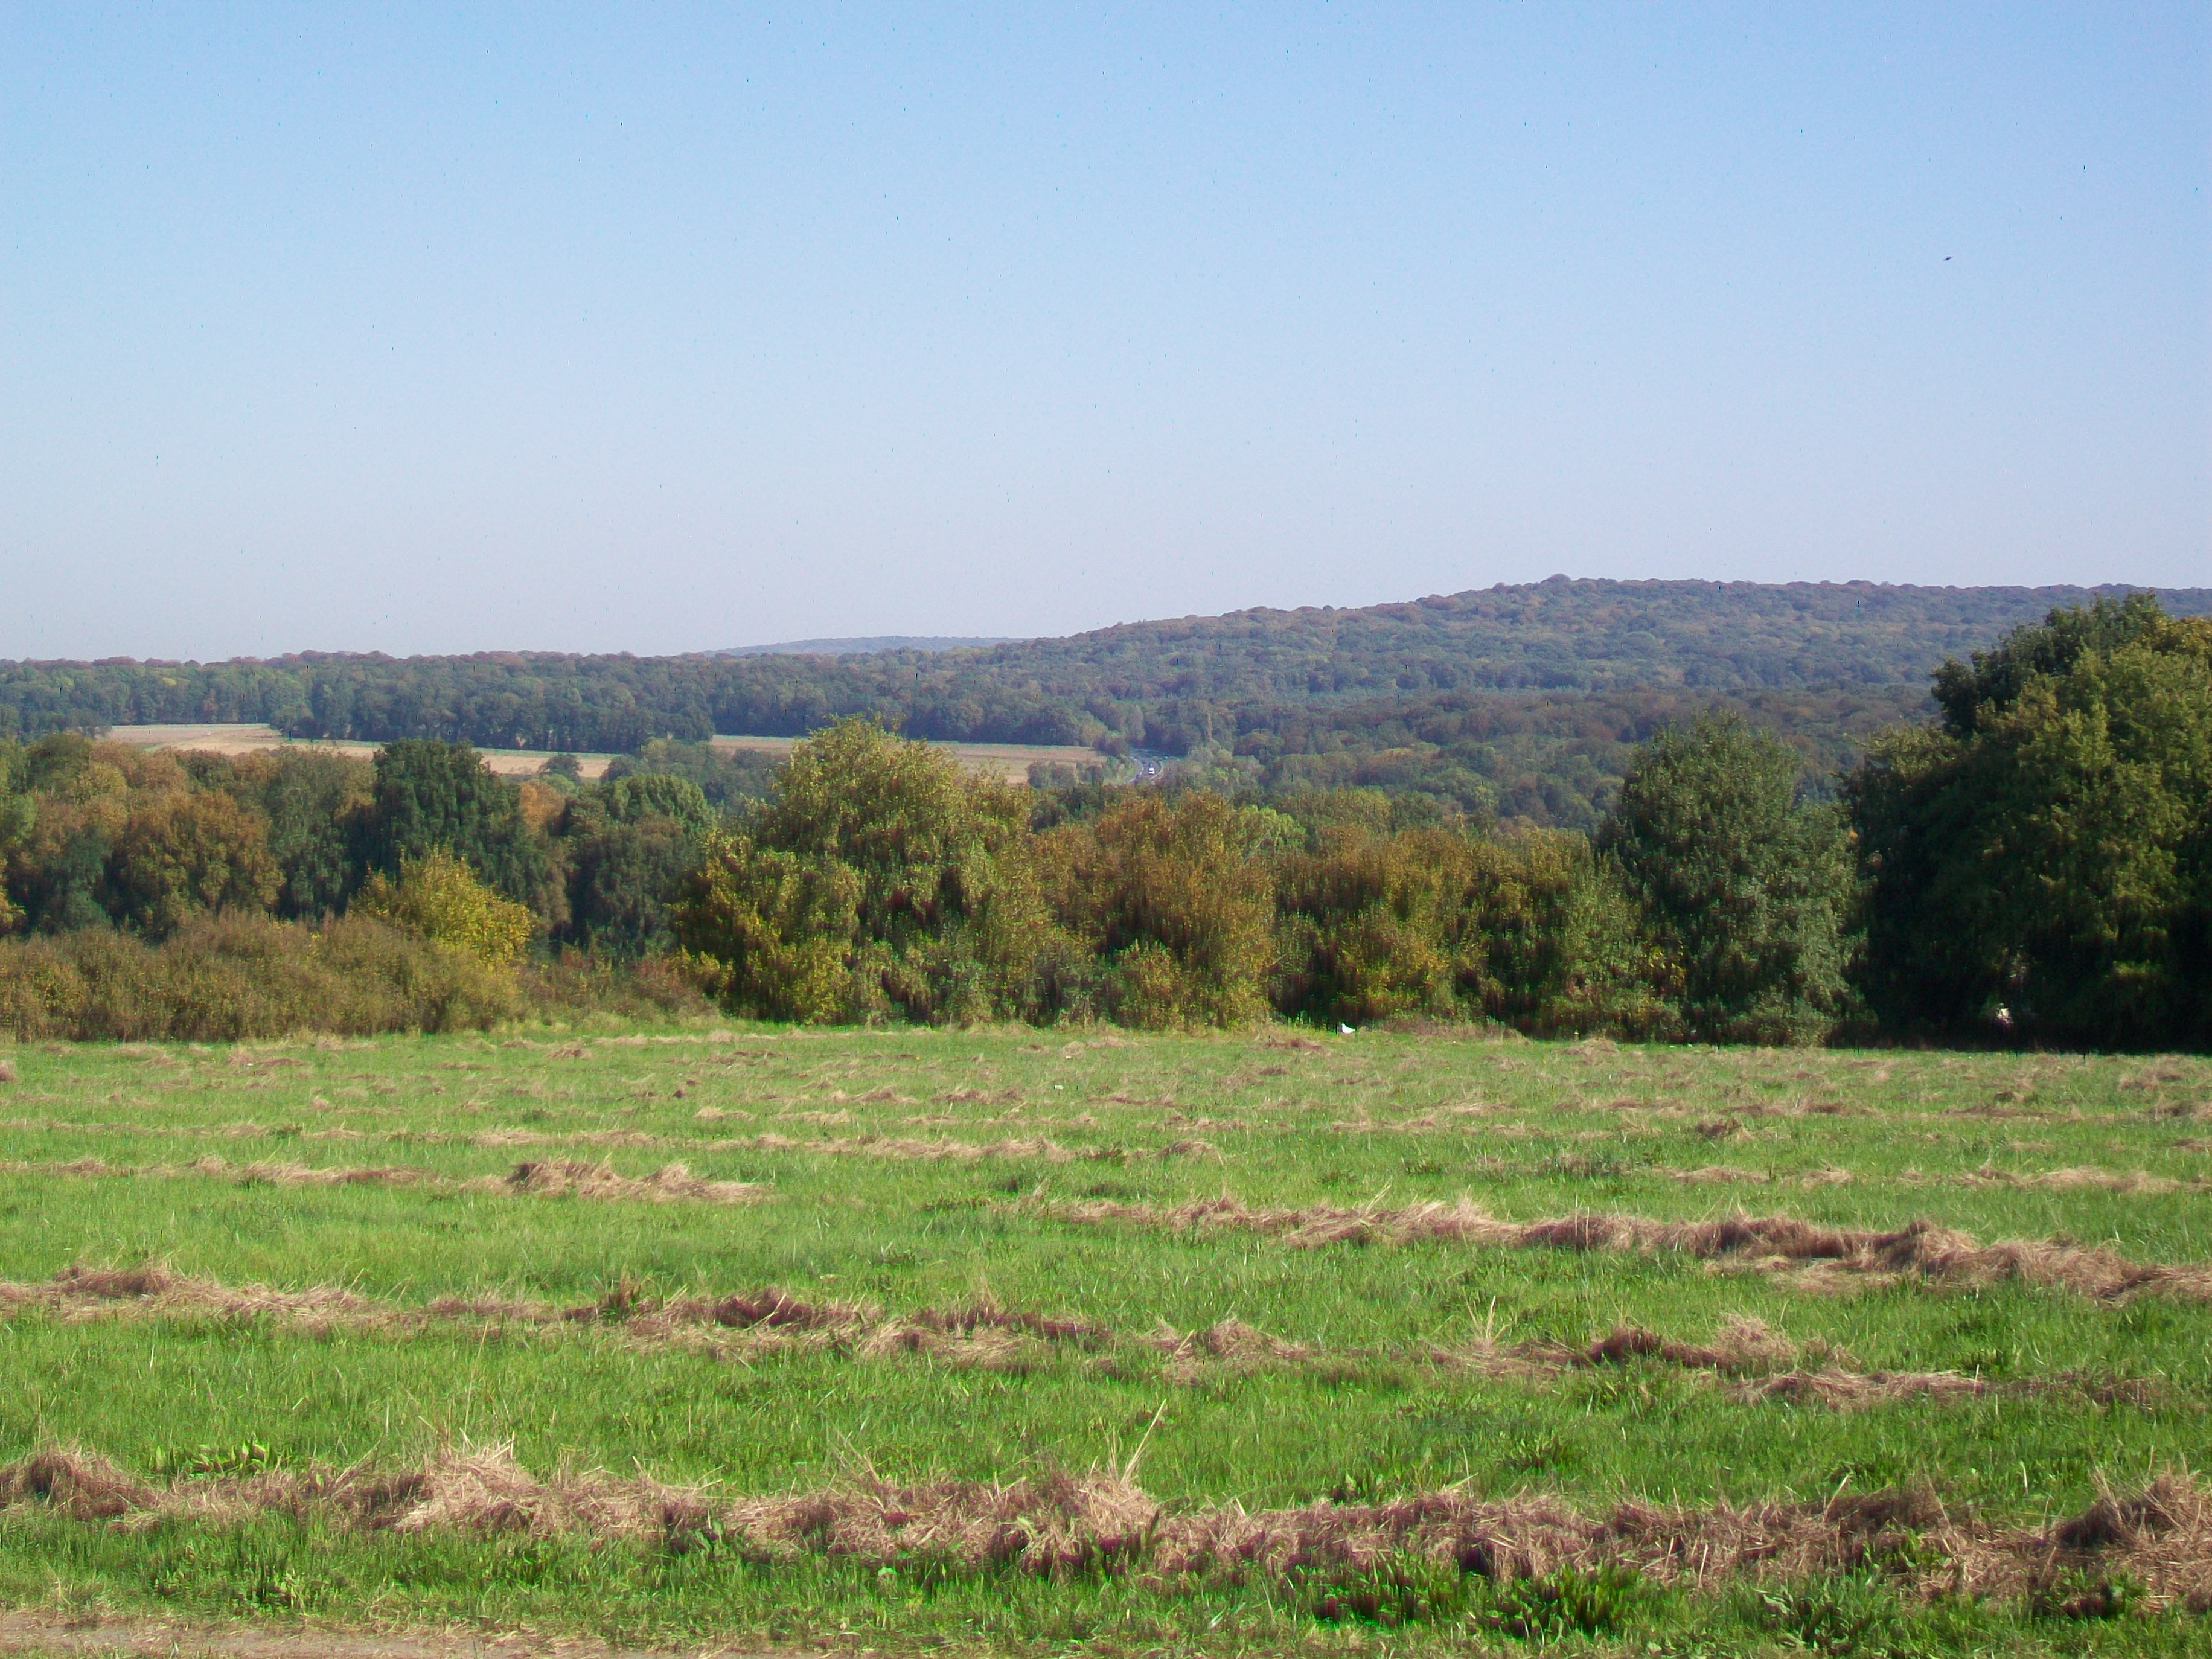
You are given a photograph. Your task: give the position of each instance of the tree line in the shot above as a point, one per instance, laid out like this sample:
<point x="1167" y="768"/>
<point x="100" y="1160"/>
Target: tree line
<point x="1547" y="662"/>
<point x="2036" y="866"/>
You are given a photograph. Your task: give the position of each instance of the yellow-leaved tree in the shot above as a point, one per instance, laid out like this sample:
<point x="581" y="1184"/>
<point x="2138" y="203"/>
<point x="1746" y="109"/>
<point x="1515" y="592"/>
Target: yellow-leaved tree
<point x="437" y="897"/>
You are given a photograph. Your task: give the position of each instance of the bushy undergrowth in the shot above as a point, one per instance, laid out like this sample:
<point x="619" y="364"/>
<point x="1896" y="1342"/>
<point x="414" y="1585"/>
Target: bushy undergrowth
<point x="232" y="977"/>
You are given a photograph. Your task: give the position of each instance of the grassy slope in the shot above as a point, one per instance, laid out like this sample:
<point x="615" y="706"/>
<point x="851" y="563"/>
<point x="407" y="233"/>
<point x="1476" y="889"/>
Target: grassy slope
<point x="1366" y="1119"/>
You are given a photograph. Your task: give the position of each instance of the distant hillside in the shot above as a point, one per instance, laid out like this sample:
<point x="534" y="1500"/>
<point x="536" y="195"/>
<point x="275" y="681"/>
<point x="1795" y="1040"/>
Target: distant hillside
<point x="860" y="647"/>
<point x="1520" y="699"/>
<point x="1558" y="634"/>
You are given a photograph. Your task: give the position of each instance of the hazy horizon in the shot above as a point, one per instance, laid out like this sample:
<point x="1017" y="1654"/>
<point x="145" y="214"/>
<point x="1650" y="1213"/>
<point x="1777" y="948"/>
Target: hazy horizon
<point x="681" y="331"/>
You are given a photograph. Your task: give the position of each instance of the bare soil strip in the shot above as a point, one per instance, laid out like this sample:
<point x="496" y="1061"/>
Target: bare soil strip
<point x="1748" y="1357"/>
<point x="1814" y="1254"/>
<point x="569" y="1178"/>
<point x="2160" y="1536"/>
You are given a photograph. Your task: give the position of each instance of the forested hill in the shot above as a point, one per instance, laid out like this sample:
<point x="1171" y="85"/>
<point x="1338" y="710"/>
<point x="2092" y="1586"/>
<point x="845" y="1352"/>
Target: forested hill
<point x="1559" y="634"/>
<point x="1244" y="682"/>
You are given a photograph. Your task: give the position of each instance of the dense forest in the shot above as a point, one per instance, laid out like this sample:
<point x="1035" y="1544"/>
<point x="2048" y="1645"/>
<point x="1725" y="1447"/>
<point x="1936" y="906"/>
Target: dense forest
<point x="2037" y="863"/>
<point x="1174" y="687"/>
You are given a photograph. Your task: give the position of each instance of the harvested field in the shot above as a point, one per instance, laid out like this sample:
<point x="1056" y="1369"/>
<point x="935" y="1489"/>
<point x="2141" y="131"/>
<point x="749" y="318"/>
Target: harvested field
<point x="1010" y="761"/>
<point x="250" y="739"/>
<point x="1011" y="1341"/>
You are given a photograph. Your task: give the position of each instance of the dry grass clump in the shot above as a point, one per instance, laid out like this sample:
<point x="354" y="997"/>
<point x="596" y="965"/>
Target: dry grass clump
<point x="983" y="1333"/>
<point x="268" y="1173"/>
<point x="1230" y="1342"/>
<point x="1755" y="1361"/>
<point x="542" y="1177"/>
<point x="911" y="1148"/>
<point x="82" y="1486"/>
<point x="2082" y="1178"/>
<point x="155" y="1289"/>
<point x="1921" y="1249"/>
<point x="572" y="1178"/>
<point x="1052" y="1524"/>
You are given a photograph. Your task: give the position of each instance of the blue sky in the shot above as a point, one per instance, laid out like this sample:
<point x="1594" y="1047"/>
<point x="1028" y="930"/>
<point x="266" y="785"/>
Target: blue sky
<point x="655" y="329"/>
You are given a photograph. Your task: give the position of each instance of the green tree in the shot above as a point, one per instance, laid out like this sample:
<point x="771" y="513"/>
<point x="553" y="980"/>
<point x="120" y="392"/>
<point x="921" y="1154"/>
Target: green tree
<point x="429" y="794"/>
<point x="19" y="813"/>
<point x="950" y="914"/>
<point x="1743" y="889"/>
<point x="641" y="796"/>
<point x="2043" y="863"/>
<point x="80" y="798"/>
<point x="312" y="800"/>
<point x="620" y="881"/>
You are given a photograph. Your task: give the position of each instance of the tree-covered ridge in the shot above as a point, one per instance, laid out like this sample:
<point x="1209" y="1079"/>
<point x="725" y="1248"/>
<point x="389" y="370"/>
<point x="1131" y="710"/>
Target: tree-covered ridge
<point x="1558" y="634"/>
<point x="1196" y="685"/>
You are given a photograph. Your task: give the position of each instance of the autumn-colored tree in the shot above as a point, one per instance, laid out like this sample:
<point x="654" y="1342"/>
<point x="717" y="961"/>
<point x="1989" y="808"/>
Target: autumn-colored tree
<point x="180" y="855"/>
<point x="439" y="898"/>
<point x="779" y="928"/>
<point x="1168" y="893"/>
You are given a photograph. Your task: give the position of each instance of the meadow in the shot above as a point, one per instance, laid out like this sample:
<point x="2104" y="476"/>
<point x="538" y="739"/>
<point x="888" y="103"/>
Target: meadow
<point x="1027" y="1341"/>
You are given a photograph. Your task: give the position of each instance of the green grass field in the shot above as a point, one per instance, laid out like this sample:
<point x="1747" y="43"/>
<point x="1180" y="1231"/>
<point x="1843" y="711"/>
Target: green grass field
<point x="1032" y="1341"/>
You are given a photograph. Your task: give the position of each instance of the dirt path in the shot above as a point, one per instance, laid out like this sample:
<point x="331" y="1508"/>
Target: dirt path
<point x="42" y="1631"/>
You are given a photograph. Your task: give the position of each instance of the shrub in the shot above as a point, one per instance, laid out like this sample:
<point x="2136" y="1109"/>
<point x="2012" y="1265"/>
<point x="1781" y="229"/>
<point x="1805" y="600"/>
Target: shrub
<point x="1167" y="893"/>
<point x="1377" y="925"/>
<point x="778" y="927"/>
<point x="675" y="985"/>
<point x="233" y="977"/>
<point x="436" y="898"/>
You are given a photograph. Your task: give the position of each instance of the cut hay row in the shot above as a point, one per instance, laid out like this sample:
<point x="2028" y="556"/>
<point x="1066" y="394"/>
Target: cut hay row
<point x="1747" y="1357"/>
<point x="981" y="1333"/>
<point x="1817" y="1256"/>
<point x="948" y="1150"/>
<point x="911" y="1148"/>
<point x="545" y="1178"/>
<point x="2159" y="1537"/>
<point x="899" y="1148"/>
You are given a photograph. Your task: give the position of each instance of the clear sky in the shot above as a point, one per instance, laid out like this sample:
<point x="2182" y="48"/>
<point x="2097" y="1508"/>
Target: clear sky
<point x="652" y="329"/>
